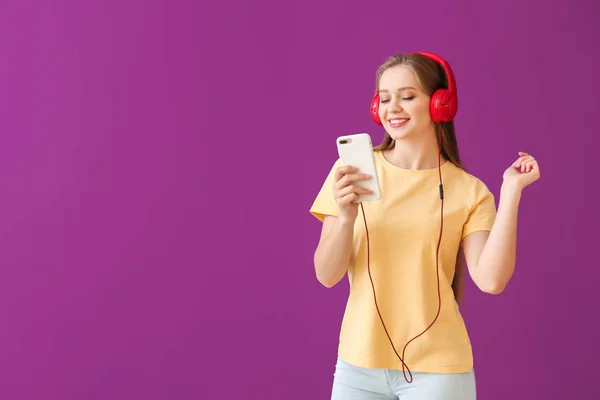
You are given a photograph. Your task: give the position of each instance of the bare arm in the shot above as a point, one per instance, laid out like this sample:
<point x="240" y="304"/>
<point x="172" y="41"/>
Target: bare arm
<point x="491" y="256"/>
<point x="334" y="251"/>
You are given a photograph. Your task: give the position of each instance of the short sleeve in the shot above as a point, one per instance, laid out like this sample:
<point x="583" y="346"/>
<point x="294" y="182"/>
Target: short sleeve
<point x="483" y="211"/>
<point x="324" y="203"/>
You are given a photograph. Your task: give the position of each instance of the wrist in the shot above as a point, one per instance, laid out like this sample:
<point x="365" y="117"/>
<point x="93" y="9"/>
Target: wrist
<point x="344" y="220"/>
<point x="511" y="190"/>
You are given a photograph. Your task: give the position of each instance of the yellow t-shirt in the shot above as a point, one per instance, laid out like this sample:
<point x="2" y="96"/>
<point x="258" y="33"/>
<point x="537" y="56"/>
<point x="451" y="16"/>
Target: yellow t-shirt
<point x="403" y="234"/>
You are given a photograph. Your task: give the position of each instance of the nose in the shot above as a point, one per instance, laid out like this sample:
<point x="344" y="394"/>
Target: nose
<point x="395" y="105"/>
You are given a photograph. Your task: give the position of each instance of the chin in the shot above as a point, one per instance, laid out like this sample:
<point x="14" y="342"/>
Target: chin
<point x="398" y="134"/>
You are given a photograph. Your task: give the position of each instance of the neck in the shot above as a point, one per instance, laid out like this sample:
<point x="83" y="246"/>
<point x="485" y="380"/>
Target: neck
<point x="409" y="153"/>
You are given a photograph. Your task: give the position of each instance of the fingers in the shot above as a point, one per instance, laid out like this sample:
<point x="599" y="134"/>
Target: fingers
<point x="350" y="179"/>
<point x="341" y="171"/>
<point x="525" y="162"/>
<point x="353" y="189"/>
<point x="346" y="190"/>
<point x="529" y="165"/>
<point x="347" y="199"/>
<point x="346" y="176"/>
<point x="522" y="163"/>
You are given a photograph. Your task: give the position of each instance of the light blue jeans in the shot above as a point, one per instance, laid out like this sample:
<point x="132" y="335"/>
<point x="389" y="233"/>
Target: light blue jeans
<point x="354" y="383"/>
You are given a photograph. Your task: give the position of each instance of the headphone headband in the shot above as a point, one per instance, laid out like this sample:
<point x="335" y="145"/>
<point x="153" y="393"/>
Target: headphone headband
<point x="445" y="66"/>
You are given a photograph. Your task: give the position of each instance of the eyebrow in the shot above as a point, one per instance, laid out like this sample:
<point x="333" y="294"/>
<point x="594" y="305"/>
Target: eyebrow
<point x="400" y="89"/>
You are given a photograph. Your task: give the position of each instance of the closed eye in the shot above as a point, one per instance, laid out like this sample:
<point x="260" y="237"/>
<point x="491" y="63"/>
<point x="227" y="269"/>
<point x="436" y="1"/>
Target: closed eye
<point x="404" y="98"/>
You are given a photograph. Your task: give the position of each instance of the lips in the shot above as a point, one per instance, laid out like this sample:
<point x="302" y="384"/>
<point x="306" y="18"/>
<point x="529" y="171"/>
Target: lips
<point x="398" y="122"/>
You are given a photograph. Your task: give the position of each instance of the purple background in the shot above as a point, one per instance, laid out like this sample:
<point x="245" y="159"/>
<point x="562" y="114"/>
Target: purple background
<point x="158" y="160"/>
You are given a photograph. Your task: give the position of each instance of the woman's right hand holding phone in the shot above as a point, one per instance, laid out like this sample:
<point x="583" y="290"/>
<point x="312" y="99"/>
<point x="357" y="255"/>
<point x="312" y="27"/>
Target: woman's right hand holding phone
<point x="345" y="191"/>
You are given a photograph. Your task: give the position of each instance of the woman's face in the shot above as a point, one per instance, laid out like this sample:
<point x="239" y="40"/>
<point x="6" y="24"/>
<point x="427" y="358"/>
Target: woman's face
<point x="404" y="106"/>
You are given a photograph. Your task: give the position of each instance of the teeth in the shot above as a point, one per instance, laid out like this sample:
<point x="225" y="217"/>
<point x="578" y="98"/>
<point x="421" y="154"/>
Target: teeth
<point x="398" y="121"/>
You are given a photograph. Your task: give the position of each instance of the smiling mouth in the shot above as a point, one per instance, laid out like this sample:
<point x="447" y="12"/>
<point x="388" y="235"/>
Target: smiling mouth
<point x="398" y="122"/>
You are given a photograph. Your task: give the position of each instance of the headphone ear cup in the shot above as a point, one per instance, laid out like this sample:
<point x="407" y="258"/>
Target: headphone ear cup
<point x="443" y="106"/>
<point x="375" y="109"/>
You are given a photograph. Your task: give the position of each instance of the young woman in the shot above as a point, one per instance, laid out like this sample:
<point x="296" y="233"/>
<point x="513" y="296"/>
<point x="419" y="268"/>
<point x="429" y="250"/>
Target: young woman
<point x="402" y="335"/>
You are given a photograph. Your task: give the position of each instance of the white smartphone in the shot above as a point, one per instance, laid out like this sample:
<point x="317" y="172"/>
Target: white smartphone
<point x="357" y="150"/>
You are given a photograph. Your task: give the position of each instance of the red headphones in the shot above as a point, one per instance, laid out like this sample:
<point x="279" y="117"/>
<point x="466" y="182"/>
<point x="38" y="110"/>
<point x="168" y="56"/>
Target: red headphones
<point x="444" y="102"/>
